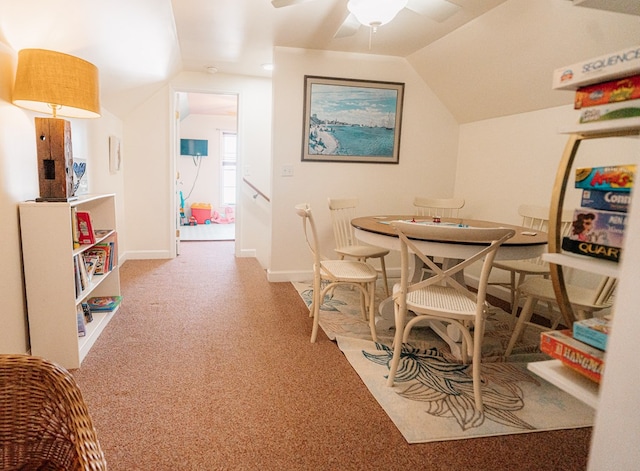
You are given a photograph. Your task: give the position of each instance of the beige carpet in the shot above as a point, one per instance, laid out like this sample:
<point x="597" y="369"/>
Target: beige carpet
<point x="433" y="399"/>
<point x="207" y="366"/>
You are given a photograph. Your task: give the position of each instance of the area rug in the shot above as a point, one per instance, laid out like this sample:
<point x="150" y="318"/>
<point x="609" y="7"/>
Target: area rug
<point x="340" y="316"/>
<point x="432" y="399"/>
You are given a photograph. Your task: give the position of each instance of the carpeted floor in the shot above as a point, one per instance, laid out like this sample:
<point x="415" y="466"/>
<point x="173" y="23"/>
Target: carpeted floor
<point x="208" y="366"/>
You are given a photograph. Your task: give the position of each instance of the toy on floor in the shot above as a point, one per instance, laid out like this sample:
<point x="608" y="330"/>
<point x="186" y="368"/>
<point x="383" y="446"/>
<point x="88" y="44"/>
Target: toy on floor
<point x="201" y="211"/>
<point x="228" y="218"/>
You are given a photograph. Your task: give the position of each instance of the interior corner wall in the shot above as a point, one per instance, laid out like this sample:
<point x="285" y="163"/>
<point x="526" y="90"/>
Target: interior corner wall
<point x="146" y="152"/>
<point x="427" y="164"/>
<point x="148" y="159"/>
<point x="508" y="161"/>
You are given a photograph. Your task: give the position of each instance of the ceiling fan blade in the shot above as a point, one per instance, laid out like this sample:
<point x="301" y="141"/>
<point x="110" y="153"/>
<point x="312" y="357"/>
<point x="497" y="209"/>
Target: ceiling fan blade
<point x="437" y="10"/>
<point x="349" y="27"/>
<point x="286" y="3"/>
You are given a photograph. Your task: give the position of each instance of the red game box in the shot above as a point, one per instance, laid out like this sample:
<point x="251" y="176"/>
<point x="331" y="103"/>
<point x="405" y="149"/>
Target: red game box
<point x="577" y="355"/>
<point x="608" y="92"/>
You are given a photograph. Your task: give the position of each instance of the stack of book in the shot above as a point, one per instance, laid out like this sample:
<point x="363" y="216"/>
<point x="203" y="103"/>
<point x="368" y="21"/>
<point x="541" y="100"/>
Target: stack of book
<point x="103" y="303"/>
<point x="598" y="227"/>
<point x="607" y="87"/>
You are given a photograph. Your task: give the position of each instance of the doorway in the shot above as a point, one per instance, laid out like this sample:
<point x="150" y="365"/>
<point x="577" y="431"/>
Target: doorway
<point x="206" y="165"/>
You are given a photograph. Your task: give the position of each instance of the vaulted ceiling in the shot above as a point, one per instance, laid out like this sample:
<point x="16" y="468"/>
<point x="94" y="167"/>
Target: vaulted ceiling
<point x="489" y="58"/>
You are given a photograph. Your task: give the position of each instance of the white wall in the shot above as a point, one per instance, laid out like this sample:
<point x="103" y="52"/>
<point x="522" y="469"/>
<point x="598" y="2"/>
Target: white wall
<point x="513" y="160"/>
<point x="151" y="173"/>
<point x="200" y="177"/>
<point x="505" y="162"/>
<point x="427" y="163"/>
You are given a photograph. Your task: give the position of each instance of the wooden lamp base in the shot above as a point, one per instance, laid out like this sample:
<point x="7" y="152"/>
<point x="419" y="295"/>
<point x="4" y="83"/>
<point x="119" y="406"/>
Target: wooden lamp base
<point x="55" y="159"/>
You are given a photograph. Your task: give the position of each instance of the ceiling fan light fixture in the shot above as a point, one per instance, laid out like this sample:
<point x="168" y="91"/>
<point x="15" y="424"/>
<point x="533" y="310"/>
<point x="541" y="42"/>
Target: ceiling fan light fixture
<point x="375" y="13"/>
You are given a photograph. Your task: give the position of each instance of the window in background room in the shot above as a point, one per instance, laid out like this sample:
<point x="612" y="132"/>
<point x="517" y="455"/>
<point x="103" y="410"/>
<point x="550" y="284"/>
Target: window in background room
<point x="228" y="173"/>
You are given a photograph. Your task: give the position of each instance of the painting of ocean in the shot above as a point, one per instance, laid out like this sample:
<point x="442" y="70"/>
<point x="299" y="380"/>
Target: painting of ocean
<point x="352" y="120"/>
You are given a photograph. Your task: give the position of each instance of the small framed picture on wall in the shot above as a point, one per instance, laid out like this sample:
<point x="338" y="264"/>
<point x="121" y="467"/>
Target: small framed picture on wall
<point x="115" y="154"/>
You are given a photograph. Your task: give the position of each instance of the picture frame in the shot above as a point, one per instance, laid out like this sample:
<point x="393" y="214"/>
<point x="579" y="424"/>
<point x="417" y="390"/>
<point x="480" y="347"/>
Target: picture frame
<point x="115" y="154"/>
<point x="350" y="120"/>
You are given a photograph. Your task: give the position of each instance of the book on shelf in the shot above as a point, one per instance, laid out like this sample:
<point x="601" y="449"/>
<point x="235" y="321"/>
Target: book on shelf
<point x="85" y="228"/>
<point x="591" y="249"/>
<point x="82" y="270"/>
<point x="612" y="91"/>
<point x="88" y="316"/>
<point x="594" y="331"/>
<point x="90" y="263"/>
<point x="82" y="330"/>
<point x="76" y="274"/>
<point x="619" y="64"/>
<point x="100" y="233"/>
<point x="578" y="356"/>
<point x="99" y="255"/>
<point x="609" y="178"/>
<point x="74" y="228"/>
<point x="104" y="303"/>
<point x="606" y="200"/>
<point x="109" y="254"/>
<point x="610" y="111"/>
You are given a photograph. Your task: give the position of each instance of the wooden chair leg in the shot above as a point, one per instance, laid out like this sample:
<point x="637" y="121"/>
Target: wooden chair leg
<point x="372" y="310"/>
<point x="525" y="316"/>
<point x="477" y="365"/>
<point x="384" y="276"/>
<point x="397" y="344"/>
<point x="316" y="303"/>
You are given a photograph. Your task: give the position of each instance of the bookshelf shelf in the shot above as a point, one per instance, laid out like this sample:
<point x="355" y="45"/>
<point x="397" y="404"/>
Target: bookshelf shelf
<point x="614" y="125"/>
<point x="568" y="380"/>
<point x="53" y="293"/>
<point x="592" y="265"/>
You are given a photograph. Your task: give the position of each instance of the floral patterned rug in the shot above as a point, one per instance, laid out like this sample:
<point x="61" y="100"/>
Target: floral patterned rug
<point x="432" y="399"/>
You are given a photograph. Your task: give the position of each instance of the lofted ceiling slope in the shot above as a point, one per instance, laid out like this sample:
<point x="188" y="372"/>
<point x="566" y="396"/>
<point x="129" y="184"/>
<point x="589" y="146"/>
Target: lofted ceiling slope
<point x="491" y="58"/>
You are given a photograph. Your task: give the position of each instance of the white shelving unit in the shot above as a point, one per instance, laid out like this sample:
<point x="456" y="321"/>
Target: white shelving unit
<point x="554" y="371"/>
<point x="48" y="256"/>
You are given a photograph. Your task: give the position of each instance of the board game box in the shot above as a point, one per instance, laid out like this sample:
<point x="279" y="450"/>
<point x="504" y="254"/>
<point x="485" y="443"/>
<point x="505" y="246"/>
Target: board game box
<point x="610" y="178"/>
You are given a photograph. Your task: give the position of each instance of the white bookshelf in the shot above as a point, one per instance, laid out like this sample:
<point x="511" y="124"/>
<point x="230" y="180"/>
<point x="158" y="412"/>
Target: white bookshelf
<point x="48" y="257"/>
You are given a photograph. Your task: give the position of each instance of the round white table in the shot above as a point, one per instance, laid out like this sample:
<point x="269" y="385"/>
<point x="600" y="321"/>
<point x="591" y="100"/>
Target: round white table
<point x="377" y="230"/>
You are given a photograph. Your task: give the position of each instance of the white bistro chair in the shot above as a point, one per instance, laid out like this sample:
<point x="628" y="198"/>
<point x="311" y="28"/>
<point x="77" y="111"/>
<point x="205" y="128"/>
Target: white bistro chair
<point x="328" y="274"/>
<point x="535" y="218"/>
<point x="343" y="210"/>
<point x="584" y="301"/>
<point x="441" y="297"/>
<point x="439" y="207"/>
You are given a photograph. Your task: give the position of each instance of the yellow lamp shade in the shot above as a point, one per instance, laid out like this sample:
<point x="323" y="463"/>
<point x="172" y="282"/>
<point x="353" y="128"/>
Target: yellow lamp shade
<point x="49" y="81"/>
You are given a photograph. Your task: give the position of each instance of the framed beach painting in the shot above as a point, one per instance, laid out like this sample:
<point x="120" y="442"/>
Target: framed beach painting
<point x="347" y="120"/>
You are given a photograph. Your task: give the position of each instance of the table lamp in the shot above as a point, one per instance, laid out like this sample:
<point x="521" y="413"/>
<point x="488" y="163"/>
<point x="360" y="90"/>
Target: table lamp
<point x="57" y="83"/>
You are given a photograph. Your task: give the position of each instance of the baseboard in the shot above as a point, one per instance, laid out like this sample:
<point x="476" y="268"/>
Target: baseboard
<point x="146" y="255"/>
<point x="248" y="253"/>
<point x="283" y="276"/>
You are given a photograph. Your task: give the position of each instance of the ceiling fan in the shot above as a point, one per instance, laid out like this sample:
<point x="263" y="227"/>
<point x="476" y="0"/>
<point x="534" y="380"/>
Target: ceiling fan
<point x="361" y="12"/>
